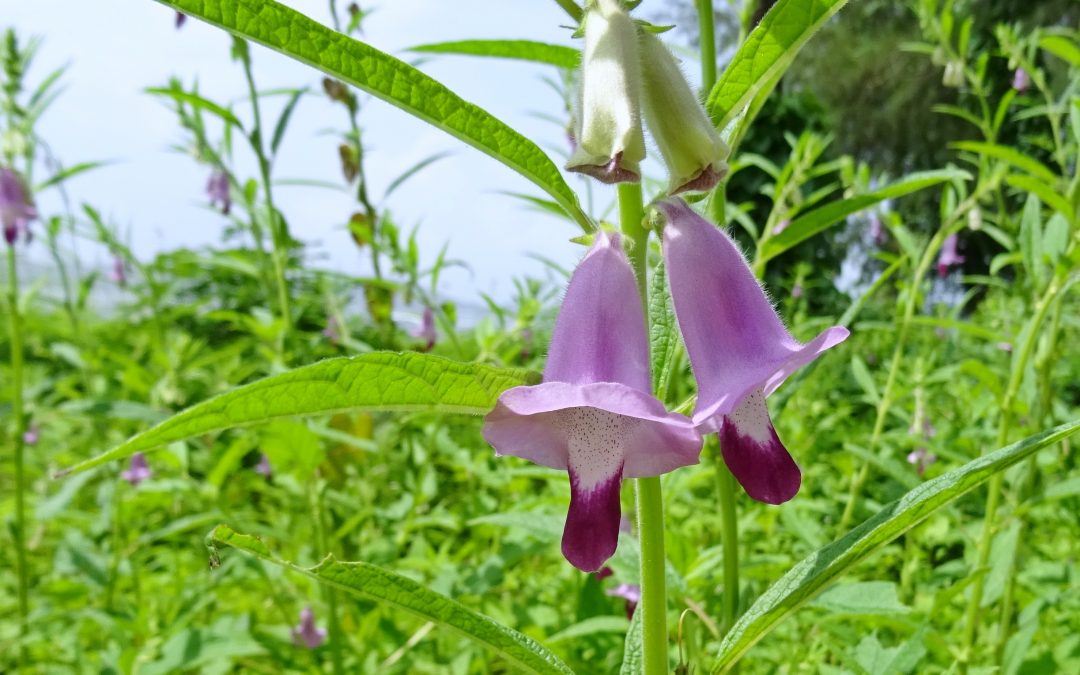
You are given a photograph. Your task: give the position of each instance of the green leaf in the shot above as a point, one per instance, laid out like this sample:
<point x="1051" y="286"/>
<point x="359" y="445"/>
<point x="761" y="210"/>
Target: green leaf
<point x="862" y="597"/>
<point x="283" y="120"/>
<point x="592" y="626"/>
<point x="374" y="583"/>
<point x="813" y="573"/>
<point x="1026" y="183"/>
<point x="523" y="50"/>
<point x="376" y="381"/>
<point x="1061" y="47"/>
<point x="196" y="101"/>
<point x="1009" y="155"/>
<point x="69" y="172"/>
<point x="663" y="332"/>
<point x="283" y="29"/>
<point x="766" y="54"/>
<point x="820" y="219"/>
<point x="1031" y="235"/>
<point x="633" y="654"/>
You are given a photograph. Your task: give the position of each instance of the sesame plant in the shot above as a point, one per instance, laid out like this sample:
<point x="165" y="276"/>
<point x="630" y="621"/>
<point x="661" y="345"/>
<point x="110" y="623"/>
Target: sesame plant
<point x="693" y="453"/>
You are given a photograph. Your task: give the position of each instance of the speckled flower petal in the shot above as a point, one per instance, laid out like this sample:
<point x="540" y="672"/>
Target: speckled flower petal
<point x="754" y="454"/>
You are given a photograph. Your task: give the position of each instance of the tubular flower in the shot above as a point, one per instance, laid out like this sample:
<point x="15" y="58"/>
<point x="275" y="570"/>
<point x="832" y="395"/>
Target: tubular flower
<point x="306" y="633"/>
<point x="949" y="257"/>
<point x="16" y="208"/>
<point x="739" y="350"/>
<point x="610" y="142"/>
<point x="687" y="139"/>
<point x="137" y="471"/>
<point x="594" y="416"/>
<point x="217" y="189"/>
<point x="426" y="330"/>
<point x="1021" y="81"/>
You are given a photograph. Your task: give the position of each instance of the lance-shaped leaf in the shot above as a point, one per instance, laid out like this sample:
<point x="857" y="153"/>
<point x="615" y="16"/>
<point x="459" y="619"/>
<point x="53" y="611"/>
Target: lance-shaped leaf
<point x="285" y="30"/>
<point x="522" y="50"/>
<point x="375" y="583"/>
<point x="766" y="54"/>
<point x="822" y="218"/>
<point x="376" y="381"/>
<point x="813" y="573"/>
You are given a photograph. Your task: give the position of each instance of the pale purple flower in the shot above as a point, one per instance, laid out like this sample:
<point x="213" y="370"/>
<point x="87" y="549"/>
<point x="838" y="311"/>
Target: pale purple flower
<point x="138" y="470"/>
<point x="31" y="435"/>
<point x="16" y="207"/>
<point x="797" y="291"/>
<point x="949" y="257"/>
<point x="629" y="592"/>
<point x="739" y="350"/>
<point x="217" y="188"/>
<point x="426" y="330"/>
<point x="1021" y="80"/>
<point x="1005" y="346"/>
<point x="332" y="332"/>
<point x="306" y="633"/>
<point x="118" y="273"/>
<point x="921" y="458"/>
<point x="781" y="226"/>
<point x="877" y="231"/>
<point x="594" y="416"/>
<point x="263" y="468"/>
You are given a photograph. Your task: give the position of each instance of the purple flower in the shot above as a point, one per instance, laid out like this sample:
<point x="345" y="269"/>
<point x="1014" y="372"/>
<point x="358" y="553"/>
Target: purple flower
<point x="921" y="458"/>
<point x="16" y="208"/>
<point x="1005" y="346"/>
<point x="948" y="257"/>
<point x="797" y="291"/>
<point x="629" y="592"/>
<point x="138" y="470"/>
<point x="263" y="468"/>
<point x="781" y="226"/>
<point x="426" y="330"/>
<point x="31" y="435"/>
<point x="739" y="350"/>
<point x="594" y="416"/>
<point x="332" y="332"/>
<point x="118" y="273"/>
<point x="1021" y="80"/>
<point x="217" y="188"/>
<point x="180" y="19"/>
<point x="877" y="232"/>
<point x="306" y="634"/>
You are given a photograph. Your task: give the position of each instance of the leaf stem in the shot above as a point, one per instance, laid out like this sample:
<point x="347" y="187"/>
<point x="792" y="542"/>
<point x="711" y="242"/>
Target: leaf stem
<point x="15" y="324"/>
<point x="650" y="501"/>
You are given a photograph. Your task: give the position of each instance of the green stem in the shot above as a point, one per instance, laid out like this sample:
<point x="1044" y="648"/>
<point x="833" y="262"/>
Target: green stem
<point x="707" y="45"/>
<point x="15" y="323"/>
<point x="329" y="593"/>
<point x="650" y="501"/>
<point x="729" y="539"/>
<point x="993" y="495"/>
<point x="277" y="229"/>
<point x="571" y="8"/>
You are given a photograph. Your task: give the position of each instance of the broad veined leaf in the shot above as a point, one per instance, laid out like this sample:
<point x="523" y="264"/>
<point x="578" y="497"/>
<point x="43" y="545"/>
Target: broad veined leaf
<point x="283" y="29"/>
<point x="375" y="583"/>
<point x="813" y="573"/>
<point x="523" y="50"/>
<point x="633" y="662"/>
<point x="821" y="218"/>
<point x="663" y="332"/>
<point x="766" y="54"/>
<point x="376" y="381"/>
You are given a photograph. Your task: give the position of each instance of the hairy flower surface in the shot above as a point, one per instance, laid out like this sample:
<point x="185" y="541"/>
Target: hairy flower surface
<point x="739" y="350"/>
<point x="594" y="416"/>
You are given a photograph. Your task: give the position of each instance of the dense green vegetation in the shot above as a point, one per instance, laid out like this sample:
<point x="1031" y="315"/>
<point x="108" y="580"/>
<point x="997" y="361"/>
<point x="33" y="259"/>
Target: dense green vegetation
<point x="950" y="251"/>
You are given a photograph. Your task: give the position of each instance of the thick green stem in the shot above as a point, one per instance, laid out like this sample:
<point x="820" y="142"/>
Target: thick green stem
<point x="707" y="45"/>
<point x="993" y="495"/>
<point x="15" y="323"/>
<point x="650" y="501"/>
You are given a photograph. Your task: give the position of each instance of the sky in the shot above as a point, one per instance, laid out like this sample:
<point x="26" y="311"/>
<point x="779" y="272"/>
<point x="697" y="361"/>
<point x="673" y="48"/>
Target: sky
<point x="114" y="49"/>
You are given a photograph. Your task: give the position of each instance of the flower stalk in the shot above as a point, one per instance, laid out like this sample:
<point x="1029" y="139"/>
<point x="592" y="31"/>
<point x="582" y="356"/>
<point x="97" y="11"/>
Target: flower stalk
<point x="18" y="439"/>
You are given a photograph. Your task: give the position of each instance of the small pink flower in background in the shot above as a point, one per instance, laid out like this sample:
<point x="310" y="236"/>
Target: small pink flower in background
<point x="949" y="257"/>
<point x="332" y="332"/>
<point x="217" y="188"/>
<point x="877" y="230"/>
<point x="31" y="435"/>
<point x="263" y="468"/>
<point x="921" y="458"/>
<point x="16" y="208"/>
<point x="1005" y="346"/>
<point x="138" y="470"/>
<point x="629" y="592"/>
<point x="1021" y="80"/>
<point x="306" y="633"/>
<point x="781" y="226"/>
<point x="426" y="330"/>
<point x="118" y="273"/>
<point x="797" y="291"/>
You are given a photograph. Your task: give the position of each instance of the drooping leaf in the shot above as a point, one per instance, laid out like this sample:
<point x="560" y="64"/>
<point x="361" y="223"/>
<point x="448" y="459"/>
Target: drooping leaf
<point x="813" y="573"/>
<point x="375" y="583"/>
<point x="376" y="381"/>
<point x="523" y="50"/>
<point x="285" y="30"/>
<point x="821" y="218"/>
<point x="768" y="51"/>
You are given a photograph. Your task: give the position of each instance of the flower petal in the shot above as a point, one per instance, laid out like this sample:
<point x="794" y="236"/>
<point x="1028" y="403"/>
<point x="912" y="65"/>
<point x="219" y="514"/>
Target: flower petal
<point x="600" y="333"/>
<point x="529" y="422"/>
<point x="754" y="454"/>
<point x="736" y="341"/>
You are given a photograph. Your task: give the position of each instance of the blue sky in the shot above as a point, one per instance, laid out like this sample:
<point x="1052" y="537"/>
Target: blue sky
<point x="116" y="48"/>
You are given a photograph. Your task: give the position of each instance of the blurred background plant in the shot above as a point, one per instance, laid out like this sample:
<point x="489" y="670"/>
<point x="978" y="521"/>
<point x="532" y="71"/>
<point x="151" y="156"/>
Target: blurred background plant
<point x="957" y="296"/>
